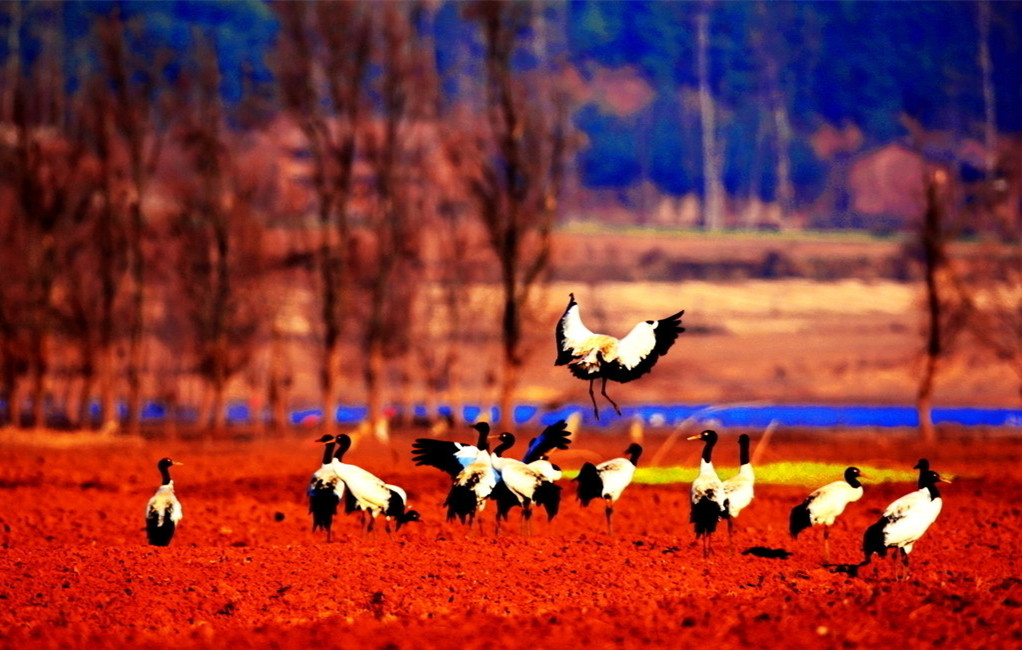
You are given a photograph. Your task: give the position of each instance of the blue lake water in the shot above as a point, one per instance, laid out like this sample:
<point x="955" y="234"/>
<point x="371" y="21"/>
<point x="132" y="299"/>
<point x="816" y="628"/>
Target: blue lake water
<point x="750" y="415"/>
<point x="738" y="415"/>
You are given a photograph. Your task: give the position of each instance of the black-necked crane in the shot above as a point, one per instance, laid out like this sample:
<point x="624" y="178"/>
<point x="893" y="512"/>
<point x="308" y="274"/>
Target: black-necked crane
<point x="905" y="520"/>
<point x="521" y="484"/>
<point x="824" y="505"/>
<point x="325" y="490"/>
<point x="709" y="503"/>
<point x="450" y="457"/>
<point x="608" y="480"/>
<point x="163" y="512"/>
<point x="594" y="356"/>
<point x="533" y="478"/>
<point x="369" y="494"/>
<point x="739" y="488"/>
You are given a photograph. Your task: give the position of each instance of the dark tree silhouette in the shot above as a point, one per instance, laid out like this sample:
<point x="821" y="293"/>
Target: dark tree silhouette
<point x="515" y="171"/>
<point x="323" y="59"/>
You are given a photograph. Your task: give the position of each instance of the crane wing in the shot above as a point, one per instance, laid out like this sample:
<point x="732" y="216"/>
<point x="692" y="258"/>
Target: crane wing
<point x="645" y="344"/>
<point x="450" y="457"/>
<point x="555" y="436"/>
<point x="571" y="333"/>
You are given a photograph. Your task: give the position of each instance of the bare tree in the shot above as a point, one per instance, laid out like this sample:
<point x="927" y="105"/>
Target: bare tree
<point x="218" y="241"/>
<point x="324" y="56"/>
<point x="948" y="304"/>
<point x="986" y="70"/>
<point x="48" y="191"/>
<point x="515" y="170"/>
<point x="132" y="80"/>
<point x="393" y="150"/>
<point x="768" y="47"/>
<point x="713" y="188"/>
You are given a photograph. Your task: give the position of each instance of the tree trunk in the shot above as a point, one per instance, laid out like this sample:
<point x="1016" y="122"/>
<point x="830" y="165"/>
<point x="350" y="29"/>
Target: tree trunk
<point x="989" y="103"/>
<point x="924" y="401"/>
<point x="328" y="264"/>
<point x="274" y="385"/>
<point x="135" y="337"/>
<point x="218" y="411"/>
<point x="83" y="416"/>
<point x="933" y="260"/>
<point x="14" y="402"/>
<point x="328" y="387"/>
<point x="785" y="189"/>
<point x="713" y="191"/>
<point x="511" y="335"/>
<point x="374" y="386"/>
<point x="407" y="363"/>
<point x="40" y="366"/>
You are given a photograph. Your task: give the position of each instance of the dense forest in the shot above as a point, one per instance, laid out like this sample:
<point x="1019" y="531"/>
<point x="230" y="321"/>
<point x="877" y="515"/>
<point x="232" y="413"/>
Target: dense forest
<point x="777" y="72"/>
<point x="154" y="155"/>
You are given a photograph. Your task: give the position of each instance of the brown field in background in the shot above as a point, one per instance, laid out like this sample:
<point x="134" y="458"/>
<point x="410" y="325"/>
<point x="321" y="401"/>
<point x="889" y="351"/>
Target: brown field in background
<point x="842" y="322"/>
<point x="786" y="341"/>
<point x="244" y="570"/>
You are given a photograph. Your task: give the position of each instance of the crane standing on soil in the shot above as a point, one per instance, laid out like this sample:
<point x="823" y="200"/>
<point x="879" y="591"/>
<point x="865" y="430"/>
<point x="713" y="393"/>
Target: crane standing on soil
<point x="163" y="512"/>
<point x="739" y="488"/>
<point x="608" y="480"/>
<point x="905" y="520"/>
<point x="824" y="505"/>
<point x="594" y="356"/>
<point x="325" y="491"/>
<point x="520" y="484"/>
<point x="370" y="494"/>
<point x="709" y="502"/>
<point x="470" y="466"/>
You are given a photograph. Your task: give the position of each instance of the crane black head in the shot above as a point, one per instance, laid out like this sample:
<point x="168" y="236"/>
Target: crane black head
<point x="852" y="476"/>
<point x="708" y="436"/>
<point x="484" y="431"/>
<point x="633" y="452"/>
<point x="407" y="517"/>
<point x="922" y="465"/>
<point x="343" y="445"/>
<point x="507" y="440"/>
<point x="164" y="466"/>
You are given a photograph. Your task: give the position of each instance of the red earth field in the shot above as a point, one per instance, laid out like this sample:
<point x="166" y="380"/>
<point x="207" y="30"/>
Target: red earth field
<point x="246" y="571"/>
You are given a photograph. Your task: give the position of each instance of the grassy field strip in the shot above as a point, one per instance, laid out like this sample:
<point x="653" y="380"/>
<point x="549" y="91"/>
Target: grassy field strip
<point x="803" y="474"/>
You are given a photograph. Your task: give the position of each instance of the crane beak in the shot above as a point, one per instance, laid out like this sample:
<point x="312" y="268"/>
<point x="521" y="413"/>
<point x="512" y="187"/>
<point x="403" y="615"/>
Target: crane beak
<point x="861" y="475"/>
<point x="941" y="479"/>
<point x="177" y="462"/>
<point x="699" y="437"/>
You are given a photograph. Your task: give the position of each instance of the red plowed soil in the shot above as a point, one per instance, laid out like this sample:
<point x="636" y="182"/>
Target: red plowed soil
<point x="245" y="571"/>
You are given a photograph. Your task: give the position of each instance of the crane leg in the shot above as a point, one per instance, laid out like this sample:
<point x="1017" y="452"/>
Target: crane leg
<point x="730" y="532"/>
<point x="603" y="391"/>
<point x="826" y="544"/>
<point x="592" y="396"/>
<point x="609" y="511"/>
